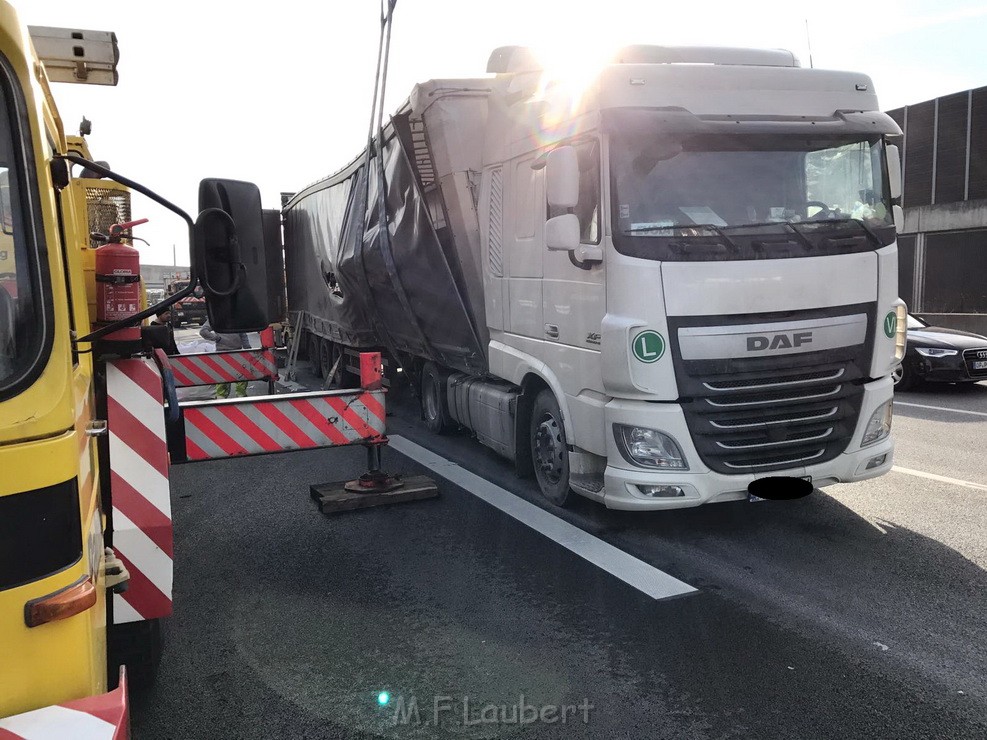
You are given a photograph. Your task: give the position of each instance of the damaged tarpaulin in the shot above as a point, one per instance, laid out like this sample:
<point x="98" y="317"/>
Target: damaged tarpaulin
<point x="392" y="288"/>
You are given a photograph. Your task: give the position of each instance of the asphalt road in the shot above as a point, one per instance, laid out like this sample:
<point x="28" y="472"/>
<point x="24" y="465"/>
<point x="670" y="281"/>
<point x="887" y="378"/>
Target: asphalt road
<point x="860" y="611"/>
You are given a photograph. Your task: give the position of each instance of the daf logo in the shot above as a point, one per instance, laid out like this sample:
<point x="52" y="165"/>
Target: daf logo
<point x="779" y="341"/>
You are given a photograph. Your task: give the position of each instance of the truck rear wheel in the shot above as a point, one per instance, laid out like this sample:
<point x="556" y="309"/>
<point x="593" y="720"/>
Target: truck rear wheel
<point x="312" y="347"/>
<point x="549" y="448"/>
<point x="435" y="405"/>
<point x="325" y="358"/>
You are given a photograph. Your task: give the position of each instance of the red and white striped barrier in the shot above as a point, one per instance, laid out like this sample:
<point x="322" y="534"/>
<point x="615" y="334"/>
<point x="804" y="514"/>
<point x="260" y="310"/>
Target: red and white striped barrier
<point x="103" y="717"/>
<point x="209" y="368"/>
<point x="142" y="526"/>
<point x="252" y="426"/>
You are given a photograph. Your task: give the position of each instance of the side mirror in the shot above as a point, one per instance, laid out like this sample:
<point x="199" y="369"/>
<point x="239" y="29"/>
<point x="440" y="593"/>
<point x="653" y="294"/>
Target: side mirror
<point x="894" y="171"/>
<point x="563" y="177"/>
<point x="899" y="218"/>
<point x="562" y="233"/>
<point x="229" y="256"/>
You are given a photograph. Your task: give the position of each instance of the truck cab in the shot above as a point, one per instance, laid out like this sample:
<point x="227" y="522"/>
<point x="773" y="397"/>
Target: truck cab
<point x="53" y="600"/>
<point x="699" y="259"/>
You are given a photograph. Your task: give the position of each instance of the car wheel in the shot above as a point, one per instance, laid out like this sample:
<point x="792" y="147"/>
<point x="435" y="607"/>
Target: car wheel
<point x="904" y="378"/>
<point x="549" y="448"/>
<point x="435" y="404"/>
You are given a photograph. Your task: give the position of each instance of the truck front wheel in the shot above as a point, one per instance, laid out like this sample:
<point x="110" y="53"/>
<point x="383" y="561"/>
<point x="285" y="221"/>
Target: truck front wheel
<point x="549" y="448"/>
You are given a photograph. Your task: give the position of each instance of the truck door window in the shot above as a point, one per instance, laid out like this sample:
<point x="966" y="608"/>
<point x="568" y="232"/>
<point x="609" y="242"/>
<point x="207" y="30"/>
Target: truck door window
<point x="25" y="312"/>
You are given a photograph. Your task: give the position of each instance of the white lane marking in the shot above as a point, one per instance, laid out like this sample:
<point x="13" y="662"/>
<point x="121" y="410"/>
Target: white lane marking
<point x="54" y="722"/>
<point x="940" y="478"/>
<point x="644" y="577"/>
<point x="940" y="408"/>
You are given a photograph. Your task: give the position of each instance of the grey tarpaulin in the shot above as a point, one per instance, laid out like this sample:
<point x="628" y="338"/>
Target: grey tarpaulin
<point x="359" y="289"/>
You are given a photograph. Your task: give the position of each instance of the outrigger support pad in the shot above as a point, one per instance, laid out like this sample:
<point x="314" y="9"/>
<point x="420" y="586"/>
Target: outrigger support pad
<point x="373" y="488"/>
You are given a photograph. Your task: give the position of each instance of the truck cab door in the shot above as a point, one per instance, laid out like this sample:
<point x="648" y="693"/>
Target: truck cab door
<point x="524" y="226"/>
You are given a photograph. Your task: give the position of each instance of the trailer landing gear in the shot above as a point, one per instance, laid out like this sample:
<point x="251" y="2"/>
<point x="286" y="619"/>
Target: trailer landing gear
<point x="373" y="488"/>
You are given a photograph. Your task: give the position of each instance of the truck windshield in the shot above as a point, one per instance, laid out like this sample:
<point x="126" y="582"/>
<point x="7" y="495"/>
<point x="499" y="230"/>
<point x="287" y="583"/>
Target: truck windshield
<point x="746" y="196"/>
<point x="23" y="328"/>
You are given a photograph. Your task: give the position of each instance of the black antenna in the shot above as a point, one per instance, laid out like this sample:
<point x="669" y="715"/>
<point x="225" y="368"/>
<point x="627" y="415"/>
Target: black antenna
<point x="808" y="41"/>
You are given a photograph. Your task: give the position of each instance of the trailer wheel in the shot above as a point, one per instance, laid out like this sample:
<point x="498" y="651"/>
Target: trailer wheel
<point x="435" y="405"/>
<point x="549" y="448"/>
<point x="344" y="377"/>
<point x="325" y="358"/>
<point x="312" y="351"/>
<point x="136" y="645"/>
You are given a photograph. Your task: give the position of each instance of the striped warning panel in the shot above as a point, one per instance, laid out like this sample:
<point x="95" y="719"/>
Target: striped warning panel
<point x="139" y="489"/>
<point x="102" y="717"/>
<point x="209" y="368"/>
<point x="252" y="426"/>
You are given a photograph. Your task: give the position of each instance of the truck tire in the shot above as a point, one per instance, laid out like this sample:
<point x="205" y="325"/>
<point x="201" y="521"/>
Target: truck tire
<point x="344" y="378"/>
<point x="136" y="645"/>
<point x="312" y="351"/>
<point x="549" y="448"/>
<point x="326" y="358"/>
<point x="435" y="404"/>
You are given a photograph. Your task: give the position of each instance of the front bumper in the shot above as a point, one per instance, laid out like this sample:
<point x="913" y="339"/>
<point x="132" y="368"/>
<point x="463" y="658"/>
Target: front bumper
<point x="102" y="717"/>
<point x="702" y="485"/>
<point x="944" y="370"/>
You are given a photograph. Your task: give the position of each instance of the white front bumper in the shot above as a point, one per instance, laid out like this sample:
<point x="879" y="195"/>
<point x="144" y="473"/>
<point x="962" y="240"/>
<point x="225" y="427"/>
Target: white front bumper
<point x="703" y="485"/>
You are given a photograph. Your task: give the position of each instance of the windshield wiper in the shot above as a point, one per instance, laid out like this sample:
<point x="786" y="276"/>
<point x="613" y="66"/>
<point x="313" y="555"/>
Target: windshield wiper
<point x="869" y="230"/>
<point x="709" y="227"/>
<point x="802" y="237"/>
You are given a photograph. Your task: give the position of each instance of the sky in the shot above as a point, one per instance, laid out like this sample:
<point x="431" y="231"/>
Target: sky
<point x="280" y="93"/>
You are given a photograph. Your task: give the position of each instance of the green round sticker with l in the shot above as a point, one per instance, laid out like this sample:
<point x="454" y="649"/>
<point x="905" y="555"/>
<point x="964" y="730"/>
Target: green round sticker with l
<point x="890" y="324"/>
<point x="648" y="346"/>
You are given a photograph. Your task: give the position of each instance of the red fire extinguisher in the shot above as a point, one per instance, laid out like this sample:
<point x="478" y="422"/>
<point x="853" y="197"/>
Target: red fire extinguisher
<point x="118" y="289"/>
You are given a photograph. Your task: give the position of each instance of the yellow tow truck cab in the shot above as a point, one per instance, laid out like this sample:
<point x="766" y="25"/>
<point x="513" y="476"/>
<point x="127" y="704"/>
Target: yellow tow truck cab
<point x="53" y="615"/>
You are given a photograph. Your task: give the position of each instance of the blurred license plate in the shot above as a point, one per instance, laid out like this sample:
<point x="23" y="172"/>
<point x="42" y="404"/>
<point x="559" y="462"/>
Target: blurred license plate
<point x="980" y="365"/>
<point x="754" y="499"/>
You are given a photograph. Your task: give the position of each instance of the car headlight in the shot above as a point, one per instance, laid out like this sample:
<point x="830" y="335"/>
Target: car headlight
<point x="649" y="448"/>
<point x="936" y="352"/>
<point x="879" y="425"/>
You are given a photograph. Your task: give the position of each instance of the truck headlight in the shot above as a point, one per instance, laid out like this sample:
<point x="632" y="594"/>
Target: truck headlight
<point x="936" y="352"/>
<point x="879" y="425"/>
<point x="649" y="448"/>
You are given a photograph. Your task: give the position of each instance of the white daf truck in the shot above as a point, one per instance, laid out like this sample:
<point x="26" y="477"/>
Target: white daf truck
<point x="678" y="286"/>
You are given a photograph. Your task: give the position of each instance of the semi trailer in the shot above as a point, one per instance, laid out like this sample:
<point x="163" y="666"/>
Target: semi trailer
<point x="675" y="286"/>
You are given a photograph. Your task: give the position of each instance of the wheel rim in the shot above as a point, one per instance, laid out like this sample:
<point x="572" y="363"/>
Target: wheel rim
<point x="548" y="449"/>
<point x="897" y="374"/>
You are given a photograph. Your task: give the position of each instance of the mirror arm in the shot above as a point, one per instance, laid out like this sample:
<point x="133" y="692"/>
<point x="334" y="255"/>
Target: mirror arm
<point x="137" y="187"/>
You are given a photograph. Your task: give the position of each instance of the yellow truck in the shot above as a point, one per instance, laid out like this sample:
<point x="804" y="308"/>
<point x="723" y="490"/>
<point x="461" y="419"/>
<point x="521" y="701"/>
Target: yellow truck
<point x="55" y="567"/>
<point x="90" y="422"/>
